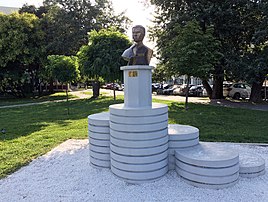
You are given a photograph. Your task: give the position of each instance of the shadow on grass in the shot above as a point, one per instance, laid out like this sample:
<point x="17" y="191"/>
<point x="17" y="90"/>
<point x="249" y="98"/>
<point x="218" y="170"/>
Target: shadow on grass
<point x="23" y="121"/>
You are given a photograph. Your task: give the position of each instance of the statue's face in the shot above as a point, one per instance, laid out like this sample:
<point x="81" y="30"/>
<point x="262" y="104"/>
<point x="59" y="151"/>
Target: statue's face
<point x="137" y="34"/>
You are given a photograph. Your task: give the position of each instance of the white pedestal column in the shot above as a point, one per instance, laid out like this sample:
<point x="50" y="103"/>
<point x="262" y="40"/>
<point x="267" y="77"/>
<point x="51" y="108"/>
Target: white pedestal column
<point x="137" y="86"/>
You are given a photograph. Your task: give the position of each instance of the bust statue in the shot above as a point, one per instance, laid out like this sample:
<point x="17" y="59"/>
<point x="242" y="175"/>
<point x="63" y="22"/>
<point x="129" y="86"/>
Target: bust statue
<point x="138" y="53"/>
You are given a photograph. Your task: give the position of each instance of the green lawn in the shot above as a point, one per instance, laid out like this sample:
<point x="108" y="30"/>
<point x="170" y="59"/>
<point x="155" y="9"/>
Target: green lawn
<point x="51" y="97"/>
<point x="34" y="130"/>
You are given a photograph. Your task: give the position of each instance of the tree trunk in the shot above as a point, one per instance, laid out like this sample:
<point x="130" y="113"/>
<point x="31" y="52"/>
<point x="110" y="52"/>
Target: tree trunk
<point x="208" y="88"/>
<point x="217" y="92"/>
<point x="255" y="95"/>
<point x="51" y="88"/>
<point x="96" y="89"/>
<point x="114" y="91"/>
<point x="68" y="110"/>
<point x="187" y="93"/>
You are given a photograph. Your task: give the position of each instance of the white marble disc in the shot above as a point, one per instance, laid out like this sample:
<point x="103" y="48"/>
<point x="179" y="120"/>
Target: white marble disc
<point x="98" y="129"/>
<point x="99" y="119"/>
<point x="208" y="171"/>
<point x="251" y="175"/>
<point x="140" y="159"/>
<point x="101" y="156"/>
<point x="183" y="143"/>
<point x="139" y="136"/>
<point x="99" y="136"/>
<point x="100" y="163"/>
<point x="182" y="132"/>
<point x="139" y="167"/>
<point x="208" y="155"/>
<point x="140" y="175"/>
<point x="251" y="163"/>
<point x="209" y="186"/>
<point x="139" y="128"/>
<point x="207" y="179"/>
<point x="140" y="143"/>
<point x="136" y="120"/>
<point x="156" y="109"/>
<point x="138" y="151"/>
<point x="102" y="143"/>
<point x="99" y="148"/>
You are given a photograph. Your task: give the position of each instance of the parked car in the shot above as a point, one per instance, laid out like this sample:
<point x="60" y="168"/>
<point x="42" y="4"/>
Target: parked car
<point x="198" y="91"/>
<point x="162" y="87"/>
<point x="181" y="90"/>
<point x="170" y="90"/>
<point x="225" y="89"/>
<point x="112" y="86"/>
<point x="155" y="87"/>
<point x="239" y="90"/>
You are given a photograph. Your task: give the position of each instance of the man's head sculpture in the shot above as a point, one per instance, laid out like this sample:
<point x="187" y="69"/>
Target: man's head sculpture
<point x="138" y="53"/>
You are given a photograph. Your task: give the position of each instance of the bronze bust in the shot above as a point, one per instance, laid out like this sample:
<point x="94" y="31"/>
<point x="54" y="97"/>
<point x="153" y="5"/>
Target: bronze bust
<point x="138" y="53"/>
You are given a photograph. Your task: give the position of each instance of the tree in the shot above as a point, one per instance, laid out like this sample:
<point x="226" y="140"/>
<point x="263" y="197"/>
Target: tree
<point x="22" y="52"/>
<point x="102" y="56"/>
<point x="192" y="52"/>
<point x="68" y="22"/>
<point x="236" y="25"/>
<point x="64" y="69"/>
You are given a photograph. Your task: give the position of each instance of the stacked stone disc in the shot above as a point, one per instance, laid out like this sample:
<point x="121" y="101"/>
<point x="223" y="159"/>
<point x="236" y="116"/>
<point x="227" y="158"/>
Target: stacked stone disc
<point x="208" y="165"/>
<point x="181" y="137"/>
<point x="251" y="165"/>
<point x="99" y="140"/>
<point x="139" y="142"/>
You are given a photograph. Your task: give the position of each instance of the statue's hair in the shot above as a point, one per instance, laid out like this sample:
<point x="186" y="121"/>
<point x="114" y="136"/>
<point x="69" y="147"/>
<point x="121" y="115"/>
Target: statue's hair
<point x="139" y="26"/>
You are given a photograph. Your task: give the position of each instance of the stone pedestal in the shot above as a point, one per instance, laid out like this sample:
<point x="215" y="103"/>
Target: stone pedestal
<point x="99" y="140"/>
<point x="137" y="86"/>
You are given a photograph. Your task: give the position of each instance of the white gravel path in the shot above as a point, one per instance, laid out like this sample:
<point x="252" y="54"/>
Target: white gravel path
<point x="64" y="174"/>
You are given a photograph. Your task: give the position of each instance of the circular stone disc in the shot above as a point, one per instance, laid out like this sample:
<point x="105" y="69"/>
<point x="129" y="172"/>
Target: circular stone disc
<point x="138" y="119"/>
<point x="182" y="132"/>
<point x="207" y="179"/>
<point x="208" y="171"/>
<point x="99" y="136"/>
<point x="251" y="163"/>
<point x="139" y="136"/>
<point x="139" y="159"/>
<point x="101" y="143"/>
<point x="208" y="155"/>
<point x="100" y="163"/>
<point x="99" y="119"/>
<point x="139" y="151"/>
<point x="209" y="186"/>
<point x="183" y="143"/>
<point x="139" y="128"/>
<point x="99" y="129"/>
<point x="120" y="110"/>
<point x="99" y="149"/>
<point x="101" y="156"/>
<point x="139" y="144"/>
<point x="140" y="175"/>
<point x="139" y="167"/>
<point x="251" y="175"/>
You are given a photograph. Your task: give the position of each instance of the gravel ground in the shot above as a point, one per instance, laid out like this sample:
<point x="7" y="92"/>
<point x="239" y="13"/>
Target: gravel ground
<point x="64" y="174"/>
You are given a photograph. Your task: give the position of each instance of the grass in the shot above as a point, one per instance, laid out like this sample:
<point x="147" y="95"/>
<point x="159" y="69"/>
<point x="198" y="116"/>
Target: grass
<point x="34" y="130"/>
<point x="51" y="97"/>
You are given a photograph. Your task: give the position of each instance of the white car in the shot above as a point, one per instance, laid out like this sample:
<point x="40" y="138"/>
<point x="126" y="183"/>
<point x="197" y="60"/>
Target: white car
<point x="239" y="90"/>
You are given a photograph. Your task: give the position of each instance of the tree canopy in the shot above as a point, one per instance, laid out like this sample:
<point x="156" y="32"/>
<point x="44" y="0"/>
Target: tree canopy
<point x="240" y="26"/>
<point x="22" y="51"/>
<point x="102" y="56"/>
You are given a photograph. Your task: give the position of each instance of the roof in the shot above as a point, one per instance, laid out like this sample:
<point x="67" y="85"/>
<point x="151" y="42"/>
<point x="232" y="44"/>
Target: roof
<point x="8" y="10"/>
